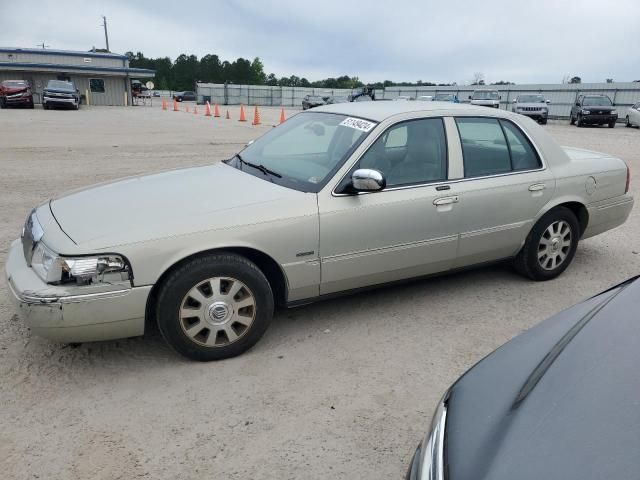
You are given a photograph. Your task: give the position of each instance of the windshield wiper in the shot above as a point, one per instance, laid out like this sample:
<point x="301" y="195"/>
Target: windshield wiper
<point x="260" y="167"/>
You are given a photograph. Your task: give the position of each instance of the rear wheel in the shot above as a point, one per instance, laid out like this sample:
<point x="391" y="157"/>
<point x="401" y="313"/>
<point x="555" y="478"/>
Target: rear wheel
<point x="214" y="307"/>
<point x="550" y="245"/>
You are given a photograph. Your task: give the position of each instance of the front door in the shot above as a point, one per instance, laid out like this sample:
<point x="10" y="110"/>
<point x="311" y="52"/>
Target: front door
<point x="408" y="229"/>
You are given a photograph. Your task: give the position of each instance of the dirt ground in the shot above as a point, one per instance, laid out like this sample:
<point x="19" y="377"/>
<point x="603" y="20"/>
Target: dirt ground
<point x="340" y="389"/>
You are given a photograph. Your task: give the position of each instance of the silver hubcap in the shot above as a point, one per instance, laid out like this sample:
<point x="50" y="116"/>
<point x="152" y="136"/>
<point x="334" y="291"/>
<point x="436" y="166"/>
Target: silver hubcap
<point x="217" y="312"/>
<point x="554" y="245"/>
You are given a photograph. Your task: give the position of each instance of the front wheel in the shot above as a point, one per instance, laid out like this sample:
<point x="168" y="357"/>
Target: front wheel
<point x="543" y="121"/>
<point x="612" y="124"/>
<point x="550" y="245"/>
<point x="572" y="121"/>
<point x="579" y="121"/>
<point x="627" y="123"/>
<point x="214" y="307"/>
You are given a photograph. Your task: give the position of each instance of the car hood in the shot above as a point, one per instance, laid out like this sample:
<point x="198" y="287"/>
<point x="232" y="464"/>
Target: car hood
<point x="168" y="204"/>
<point x="59" y="90"/>
<point x="603" y="108"/>
<point x="12" y="90"/>
<point x="559" y="401"/>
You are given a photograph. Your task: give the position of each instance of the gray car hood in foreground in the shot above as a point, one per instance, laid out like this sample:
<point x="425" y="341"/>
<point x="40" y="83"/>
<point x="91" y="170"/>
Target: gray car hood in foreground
<point x="561" y="401"/>
<point x="171" y="203"/>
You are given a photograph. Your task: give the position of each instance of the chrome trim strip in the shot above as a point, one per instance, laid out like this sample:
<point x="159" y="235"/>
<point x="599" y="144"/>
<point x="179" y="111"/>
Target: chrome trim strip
<point x="41" y="300"/>
<point x="375" y="251"/>
<point x="499" y="228"/>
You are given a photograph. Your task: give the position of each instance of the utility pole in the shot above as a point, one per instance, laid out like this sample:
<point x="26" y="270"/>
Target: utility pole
<point x="43" y="45"/>
<point x="106" y="34"/>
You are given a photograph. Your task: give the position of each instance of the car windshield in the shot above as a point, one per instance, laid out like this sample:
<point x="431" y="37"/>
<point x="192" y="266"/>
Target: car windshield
<point x="305" y="151"/>
<point x="485" y="95"/>
<point x="531" y="99"/>
<point x="596" y="102"/>
<point x="60" y="85"/>
<point x="15" y="83"/>
<point x="315" y="98"/>
<point x="443" y="96"/>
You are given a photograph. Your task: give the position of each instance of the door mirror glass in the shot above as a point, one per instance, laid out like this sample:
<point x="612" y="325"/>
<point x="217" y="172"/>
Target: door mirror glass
<point x="367" y="180"/>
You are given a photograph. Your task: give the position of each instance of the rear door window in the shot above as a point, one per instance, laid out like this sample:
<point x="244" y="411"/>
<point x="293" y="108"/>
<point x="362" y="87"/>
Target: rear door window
<point x="491" y="147"/>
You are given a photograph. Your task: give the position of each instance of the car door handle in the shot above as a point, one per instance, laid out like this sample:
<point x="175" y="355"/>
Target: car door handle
<point x="446" y="200"/>
<point x="537" y="187"/>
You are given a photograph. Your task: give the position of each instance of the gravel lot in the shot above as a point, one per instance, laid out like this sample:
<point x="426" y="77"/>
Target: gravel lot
<point x="339" y="389"/>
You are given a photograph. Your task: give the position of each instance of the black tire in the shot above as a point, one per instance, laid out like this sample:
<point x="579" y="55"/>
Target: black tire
<point x="31" y="106"/>
<point x="572" y="121"/>
<point x="579" y="121"/>
<point x="627" y="123"/>
<point x="527" y="261"/>
<point x="45" y="106"/>
<point x="612" y="124"/>
<point x="179" y="99"/>
<point x="543" y="121"/>
<point x="179" y="283"/>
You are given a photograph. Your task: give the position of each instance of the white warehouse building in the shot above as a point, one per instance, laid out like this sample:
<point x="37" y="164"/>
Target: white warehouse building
<point x="102" y="78"/>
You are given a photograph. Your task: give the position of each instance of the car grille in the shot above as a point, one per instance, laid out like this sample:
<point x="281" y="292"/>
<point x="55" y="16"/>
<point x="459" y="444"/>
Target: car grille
<point x="599" y="112"/>
<point x="530" y="109"/>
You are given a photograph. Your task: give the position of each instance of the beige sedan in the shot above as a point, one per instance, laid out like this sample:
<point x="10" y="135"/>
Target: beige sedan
<point x="336" y="199"/>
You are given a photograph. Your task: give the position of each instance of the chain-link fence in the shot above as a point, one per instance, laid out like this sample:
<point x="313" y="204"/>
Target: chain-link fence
<point x="561" y="96"/>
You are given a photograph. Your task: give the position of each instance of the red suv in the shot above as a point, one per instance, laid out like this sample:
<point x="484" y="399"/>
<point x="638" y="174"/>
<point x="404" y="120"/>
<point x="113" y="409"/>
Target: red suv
<point x="15" y="92"/>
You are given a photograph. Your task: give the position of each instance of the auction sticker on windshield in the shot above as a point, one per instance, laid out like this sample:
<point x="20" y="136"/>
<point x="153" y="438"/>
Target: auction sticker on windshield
<point x="358" y="124"/>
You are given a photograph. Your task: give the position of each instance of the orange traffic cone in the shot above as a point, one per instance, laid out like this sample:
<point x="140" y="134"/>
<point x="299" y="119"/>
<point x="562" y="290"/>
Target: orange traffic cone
<point x="256" y="116"/>
<point x="242" y="117"/>
<point x="164" y="103"/>
<point x="282" y="115"/>
<point x="175" y="105"/>
<point x="216" y="111"/>
<point x="186" y="108"/>
<point x="228" y="117"/>
<point x="195" y="110"/>
<point x="207" y="110"/>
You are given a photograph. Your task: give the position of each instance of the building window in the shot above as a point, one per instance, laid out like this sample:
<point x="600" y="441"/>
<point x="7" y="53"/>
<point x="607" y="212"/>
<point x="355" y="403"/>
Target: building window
<point x="96" y="85"/>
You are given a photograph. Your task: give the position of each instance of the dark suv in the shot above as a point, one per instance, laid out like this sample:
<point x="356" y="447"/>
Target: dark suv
<point x="60" y="93"/>
<point x="593" y="110"/>
<point x="185" y="96"/>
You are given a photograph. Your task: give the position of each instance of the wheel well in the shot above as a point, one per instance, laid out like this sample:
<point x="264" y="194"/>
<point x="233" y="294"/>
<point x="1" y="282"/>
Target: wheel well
<point x="581" y="213"/>
<point x="264" y="262"/>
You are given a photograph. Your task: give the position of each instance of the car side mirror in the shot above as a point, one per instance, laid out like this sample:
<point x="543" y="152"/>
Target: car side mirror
<point x="577" y="104"/>
<point x="367" y="180"/>
<point x="515" y="100"/>
<point x="547" y="102"/>
<point x="499" y="97"/>
<point x="469" y="97"/>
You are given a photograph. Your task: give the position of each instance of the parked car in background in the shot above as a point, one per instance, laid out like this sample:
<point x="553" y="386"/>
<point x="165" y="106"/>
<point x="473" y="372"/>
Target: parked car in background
<point x="156" y="94"/>
<point x="593" y="109"/>
<point x="424" y="98"/>
<point x="402" y="98"/>
<point x="15" y="93"/>
<point x="334" y="190"/>
<point x="633" y="116"/>
<point x="485" y="98"/>
<point x="446" y="97"/>
<point x="311" y="101"/>
<point x="558" y="401"/>
<point x="59" y="93"/>
<point x="186" y="96"/>
<point x="532" y="105"/>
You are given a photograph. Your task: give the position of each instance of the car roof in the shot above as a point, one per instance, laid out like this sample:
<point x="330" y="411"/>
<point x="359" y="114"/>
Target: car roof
<point x="380" y="111"/>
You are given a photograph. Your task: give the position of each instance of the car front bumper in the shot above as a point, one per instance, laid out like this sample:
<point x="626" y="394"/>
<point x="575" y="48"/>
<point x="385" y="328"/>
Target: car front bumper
<point x="535" y="114"/>
<point x="73" y="314"/>
<point x="59" y="101"/>
<point x="18" y="100"/>
<point x="599" y="118"/>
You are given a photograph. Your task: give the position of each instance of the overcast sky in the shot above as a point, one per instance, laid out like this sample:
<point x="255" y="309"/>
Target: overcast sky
<point x="534" y="41"/>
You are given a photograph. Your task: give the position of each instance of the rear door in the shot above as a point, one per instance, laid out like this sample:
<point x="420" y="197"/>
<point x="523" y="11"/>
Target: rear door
<point x="504" y="187"/>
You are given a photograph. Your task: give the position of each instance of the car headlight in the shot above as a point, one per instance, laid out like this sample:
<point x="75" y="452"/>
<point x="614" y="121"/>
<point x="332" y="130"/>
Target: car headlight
<point x="614" y="112"/>
<point x="586" y="112"/>
<point x="428" y="461"/>
<point x="53" y="268"/>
